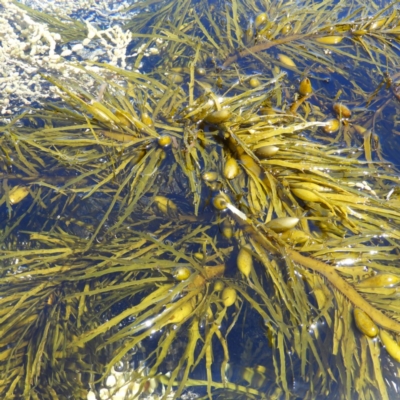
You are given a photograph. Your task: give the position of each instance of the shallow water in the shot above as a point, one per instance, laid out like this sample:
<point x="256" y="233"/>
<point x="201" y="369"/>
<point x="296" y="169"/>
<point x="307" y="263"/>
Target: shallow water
<point x="110" y="214"/>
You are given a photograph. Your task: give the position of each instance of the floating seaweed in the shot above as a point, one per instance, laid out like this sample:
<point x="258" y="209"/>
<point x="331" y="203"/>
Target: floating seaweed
<point x="195" y="223"/>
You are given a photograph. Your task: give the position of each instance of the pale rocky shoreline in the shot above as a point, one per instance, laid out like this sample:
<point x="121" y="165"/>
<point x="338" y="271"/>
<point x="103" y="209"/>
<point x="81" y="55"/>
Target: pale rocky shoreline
<point x="29" y="48"/>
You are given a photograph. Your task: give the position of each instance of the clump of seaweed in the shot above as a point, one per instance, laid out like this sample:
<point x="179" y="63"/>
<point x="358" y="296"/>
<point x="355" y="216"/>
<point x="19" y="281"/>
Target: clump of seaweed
<point x="221" y="220"/>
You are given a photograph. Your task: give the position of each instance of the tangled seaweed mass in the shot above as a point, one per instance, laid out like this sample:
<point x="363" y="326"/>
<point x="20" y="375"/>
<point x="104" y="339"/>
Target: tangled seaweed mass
<point x="212" y="218"/>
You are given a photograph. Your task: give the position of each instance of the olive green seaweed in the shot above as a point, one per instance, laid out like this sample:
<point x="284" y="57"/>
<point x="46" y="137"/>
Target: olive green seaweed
<point x="198" y="222"/>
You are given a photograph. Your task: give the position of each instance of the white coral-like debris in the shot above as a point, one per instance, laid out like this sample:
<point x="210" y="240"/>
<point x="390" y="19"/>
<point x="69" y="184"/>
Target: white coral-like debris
<point x="116" y="44"/>
<point x="29" y="48"/>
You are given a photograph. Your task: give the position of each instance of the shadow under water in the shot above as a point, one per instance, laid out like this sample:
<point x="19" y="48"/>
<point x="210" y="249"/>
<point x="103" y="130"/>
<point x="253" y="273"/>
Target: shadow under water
<point x="217" y="219"/>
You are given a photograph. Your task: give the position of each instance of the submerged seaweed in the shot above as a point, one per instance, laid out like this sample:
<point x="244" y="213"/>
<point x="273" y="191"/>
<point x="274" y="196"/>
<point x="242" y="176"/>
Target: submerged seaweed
<point x="197" y="223"/>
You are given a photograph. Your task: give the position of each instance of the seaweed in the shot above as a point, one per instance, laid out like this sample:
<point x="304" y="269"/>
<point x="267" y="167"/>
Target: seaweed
<point x="198" y="222"/>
